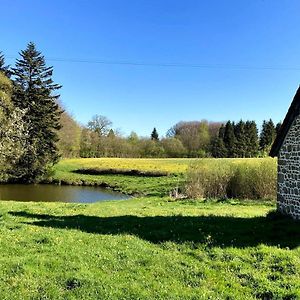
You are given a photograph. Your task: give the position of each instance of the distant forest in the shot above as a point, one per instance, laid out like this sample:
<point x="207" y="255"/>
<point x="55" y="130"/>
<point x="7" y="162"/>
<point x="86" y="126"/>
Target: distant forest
<point x="184" y="139"/>
<point x="36" y="130"/>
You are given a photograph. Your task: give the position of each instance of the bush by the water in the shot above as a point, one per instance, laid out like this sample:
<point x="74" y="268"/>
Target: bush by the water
<point x="232" y="178"/>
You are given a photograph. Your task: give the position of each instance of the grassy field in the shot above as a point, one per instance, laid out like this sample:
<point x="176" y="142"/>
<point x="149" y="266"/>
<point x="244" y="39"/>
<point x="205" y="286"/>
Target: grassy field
<point x="148" y="247"/>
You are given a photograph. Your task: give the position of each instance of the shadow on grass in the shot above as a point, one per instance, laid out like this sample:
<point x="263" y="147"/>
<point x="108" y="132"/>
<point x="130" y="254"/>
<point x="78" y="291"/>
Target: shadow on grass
<point x="219" y="231"/>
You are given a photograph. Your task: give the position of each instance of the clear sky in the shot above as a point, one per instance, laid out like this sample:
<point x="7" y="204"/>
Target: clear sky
<point x="231" y="59"/>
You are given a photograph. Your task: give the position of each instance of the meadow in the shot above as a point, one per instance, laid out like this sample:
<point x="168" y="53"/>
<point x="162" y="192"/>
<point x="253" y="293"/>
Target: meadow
<point x="148" y="247"/>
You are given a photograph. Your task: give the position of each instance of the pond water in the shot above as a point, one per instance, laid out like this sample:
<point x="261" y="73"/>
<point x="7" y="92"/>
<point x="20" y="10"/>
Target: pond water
<point x="57" y="193"/>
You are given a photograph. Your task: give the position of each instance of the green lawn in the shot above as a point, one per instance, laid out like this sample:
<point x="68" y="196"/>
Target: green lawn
<point x="147" y="248"/>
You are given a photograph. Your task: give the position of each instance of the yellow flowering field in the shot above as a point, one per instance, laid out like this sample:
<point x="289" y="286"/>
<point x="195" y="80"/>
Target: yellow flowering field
<point x="170" y="165"/>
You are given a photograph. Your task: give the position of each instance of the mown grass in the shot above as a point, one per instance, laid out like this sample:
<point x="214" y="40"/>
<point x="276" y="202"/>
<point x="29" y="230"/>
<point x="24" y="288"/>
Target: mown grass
<point x="148" y="248"/>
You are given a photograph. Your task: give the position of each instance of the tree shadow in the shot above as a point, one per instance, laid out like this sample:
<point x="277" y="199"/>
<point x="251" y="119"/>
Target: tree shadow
<point x="221" y="231"/>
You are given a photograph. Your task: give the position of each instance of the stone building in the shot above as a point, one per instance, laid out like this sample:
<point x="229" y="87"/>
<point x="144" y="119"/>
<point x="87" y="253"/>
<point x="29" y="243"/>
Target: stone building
<point x="287" y="148"/>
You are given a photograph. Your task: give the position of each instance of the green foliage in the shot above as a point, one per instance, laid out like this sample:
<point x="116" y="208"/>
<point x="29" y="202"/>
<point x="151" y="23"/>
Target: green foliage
<point x="13" y="131"/>
<point x="33" y="92"/>
<point x="3" y="67"/>
<point x="236" y="140"/>
<point x="223" y="178"/>
<point x="267" y="136"/>
<point x="69" y="136"/>
<point x="173" y="147"/>
<point x="99" y="124"/>
<point x="218" y="148"/>
<point x="147" y="248"/>
<point x="154" y="135"/>
<point x="229" y="138"/>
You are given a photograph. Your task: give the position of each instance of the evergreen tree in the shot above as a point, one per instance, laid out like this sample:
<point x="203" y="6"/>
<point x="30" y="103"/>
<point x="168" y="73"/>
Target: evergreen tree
<point x="111" y="134"/>
<point x="277" y="128"/>
<point x="240" y="140"/>
<point x="267" y="136"/>
<point x="218" y="148"/>
<point x="251" y="139"/>
<point x="221" y="132"/>
<point x="3" y="68"/>
<point x="229" y="138"/>
<point x="154" y="135"/>
<point x="34" y="90"/>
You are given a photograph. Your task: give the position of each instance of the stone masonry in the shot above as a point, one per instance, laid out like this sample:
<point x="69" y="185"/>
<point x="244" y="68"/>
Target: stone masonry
<point x="288" y="193"/>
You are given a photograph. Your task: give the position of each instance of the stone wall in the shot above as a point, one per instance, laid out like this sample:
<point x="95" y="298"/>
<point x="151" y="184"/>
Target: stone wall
<point x="288" y="193"/>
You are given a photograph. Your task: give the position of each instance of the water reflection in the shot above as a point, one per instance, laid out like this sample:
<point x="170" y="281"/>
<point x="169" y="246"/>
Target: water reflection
<point x="57" y="193"/>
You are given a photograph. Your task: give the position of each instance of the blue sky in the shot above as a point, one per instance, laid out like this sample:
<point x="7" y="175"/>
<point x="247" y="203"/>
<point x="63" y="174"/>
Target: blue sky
<point x="245" y="57"/>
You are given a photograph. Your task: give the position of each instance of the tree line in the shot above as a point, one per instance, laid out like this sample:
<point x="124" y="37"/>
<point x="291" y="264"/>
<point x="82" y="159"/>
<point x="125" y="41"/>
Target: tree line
<point x="184" y="139"/>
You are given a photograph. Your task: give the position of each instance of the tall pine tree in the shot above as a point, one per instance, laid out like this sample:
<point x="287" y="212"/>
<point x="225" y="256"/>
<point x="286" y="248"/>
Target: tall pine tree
<point x="240" y="139"/>
<point x="154" y="135"/>
<point x="251" y="136"/>
<point x="277" y="128"/>
<point x="3" y="68"/>
<point x="34" y="92"/>
<point x="229" y="138"/>
<point x="267" y="136"/>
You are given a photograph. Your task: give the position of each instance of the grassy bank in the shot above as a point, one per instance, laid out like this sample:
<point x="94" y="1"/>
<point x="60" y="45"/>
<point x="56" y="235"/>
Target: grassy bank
<point x="147" y="248"/>
<point x="154" y="186"/>
<point x="252" y="178"/>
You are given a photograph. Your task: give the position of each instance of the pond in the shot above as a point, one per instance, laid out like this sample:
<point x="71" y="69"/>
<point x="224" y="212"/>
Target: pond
<point x="57" y="193"/>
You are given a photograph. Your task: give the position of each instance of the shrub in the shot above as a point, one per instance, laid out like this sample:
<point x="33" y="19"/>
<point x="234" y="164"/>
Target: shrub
<point x="208" y="180"/>
<point x="232" y="178"/>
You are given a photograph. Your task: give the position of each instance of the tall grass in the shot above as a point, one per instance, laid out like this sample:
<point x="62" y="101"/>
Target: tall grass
<point x="232" y="178"/>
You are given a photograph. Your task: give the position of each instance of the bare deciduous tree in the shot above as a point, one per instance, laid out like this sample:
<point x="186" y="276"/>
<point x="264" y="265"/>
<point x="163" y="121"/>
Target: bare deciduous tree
<point x="100" y="124"/>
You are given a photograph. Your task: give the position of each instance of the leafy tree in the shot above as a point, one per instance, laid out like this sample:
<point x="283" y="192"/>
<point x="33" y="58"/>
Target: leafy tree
<point x="133" y="138"/>
<point x="173" y="147"/>
<point x="69" y="136"/>
<point x="34" y="92"/>
<point x="100" y="124"/>
<point x="154" y="135"/>
<point x="13" y="131"/>
<point x="267" y="136"/>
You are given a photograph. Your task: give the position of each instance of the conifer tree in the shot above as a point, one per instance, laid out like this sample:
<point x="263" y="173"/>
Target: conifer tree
<point x="277" y="128"/>
<point x="154" y="135"/>
<point x="267" y="136"/>
<point x="218" y="148"/>
<point x="221" y="132"/>
<point x="34" y="92"/>
<point x="111" y="134"/>
<point x="251" y="136"/>
<point x="240" y="140"/>
<point x="3" y="68"/>
<point x="229" y="138"/>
